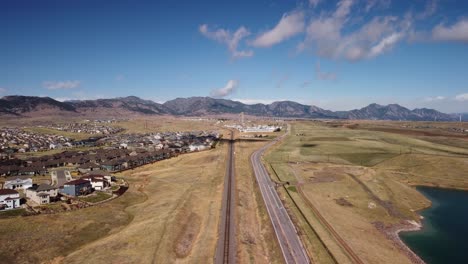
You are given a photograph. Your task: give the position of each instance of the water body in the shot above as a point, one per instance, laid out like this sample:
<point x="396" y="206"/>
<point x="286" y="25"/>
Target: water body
<point x="443" y="238"/>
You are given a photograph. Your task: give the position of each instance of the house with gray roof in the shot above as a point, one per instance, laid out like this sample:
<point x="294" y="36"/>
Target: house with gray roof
<point x="42" y="194"/>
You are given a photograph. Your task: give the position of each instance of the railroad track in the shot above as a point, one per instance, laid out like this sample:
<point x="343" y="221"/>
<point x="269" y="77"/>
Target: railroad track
<point x="344" y="245"/>
<point x="226" y="248"/>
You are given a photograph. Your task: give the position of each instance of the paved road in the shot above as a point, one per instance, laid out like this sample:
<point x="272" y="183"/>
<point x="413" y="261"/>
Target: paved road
<point x="290" y="243"/>
<point x="226" y="247"/>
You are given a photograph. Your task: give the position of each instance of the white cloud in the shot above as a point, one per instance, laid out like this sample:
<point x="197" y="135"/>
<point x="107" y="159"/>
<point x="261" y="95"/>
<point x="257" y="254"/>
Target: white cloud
<point x="289" y="26"/>
<point x="462" y="97"/>
<point x="231" y="40"/>
<point x="321" y="75"/>
<point x="343" y="8"/>
<point x="56" y="85"/>
<point x="326" y="34"/>
<point x="435" y="98"/>
<point x="455" y="32"/>
<point x="226" y="90"/>
<point x="384" y="45"/>
<point x="314" y="3"/>
<point x="3" y="90"/>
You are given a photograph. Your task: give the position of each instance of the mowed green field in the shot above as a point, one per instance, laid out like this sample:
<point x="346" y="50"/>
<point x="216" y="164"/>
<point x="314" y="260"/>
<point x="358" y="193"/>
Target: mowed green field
<point x="315" y="142"/>
<point x="356" y="178"/>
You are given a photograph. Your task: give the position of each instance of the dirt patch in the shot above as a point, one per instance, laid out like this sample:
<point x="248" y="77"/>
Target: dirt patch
<point x="343" y="202"/>
<point x="327" y="174"/>
<point x="322" y="179"/>
<point x="188" y="234"/>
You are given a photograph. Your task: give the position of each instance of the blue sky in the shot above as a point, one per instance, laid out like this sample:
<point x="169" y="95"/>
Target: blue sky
<point x="337" y="55"/>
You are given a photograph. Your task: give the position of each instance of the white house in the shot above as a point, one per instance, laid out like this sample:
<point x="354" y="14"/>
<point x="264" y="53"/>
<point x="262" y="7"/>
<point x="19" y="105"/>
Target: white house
<point x="197" y="147"/>
<point x="9" y="199"/>
<point x="41" y="194"/>
<point x="98" y="182"/>
<point x="17" y="182"/>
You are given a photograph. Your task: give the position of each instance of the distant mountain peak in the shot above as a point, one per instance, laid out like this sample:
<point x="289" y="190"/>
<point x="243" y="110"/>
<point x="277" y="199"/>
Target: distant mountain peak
<point x="199" y="106"/>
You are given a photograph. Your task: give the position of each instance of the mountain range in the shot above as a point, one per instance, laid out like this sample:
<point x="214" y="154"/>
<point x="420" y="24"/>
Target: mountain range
<point x="201" y="106"/>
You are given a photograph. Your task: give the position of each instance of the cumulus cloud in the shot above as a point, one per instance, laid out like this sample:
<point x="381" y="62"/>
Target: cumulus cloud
<point x="456" y="32"/>
<point x="230" y="39"/>
<point x="230" y="87"/>
<point x="57" y="85"/>
<point x="462" y="97"/>
<point x="325" y="35"/>
<point x="289" y="26"/>
<point x="321" y="75"/>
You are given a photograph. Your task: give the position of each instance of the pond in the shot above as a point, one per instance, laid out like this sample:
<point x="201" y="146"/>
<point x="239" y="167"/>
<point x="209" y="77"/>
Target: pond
<point x="445" y="228"/>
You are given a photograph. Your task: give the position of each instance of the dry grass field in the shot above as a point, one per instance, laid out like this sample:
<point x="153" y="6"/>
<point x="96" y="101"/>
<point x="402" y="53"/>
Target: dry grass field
<point x="256" y="240"/>
<point x="355" y="178"/>
<point x="170" y="214"/>
<point x="178" y="220"/>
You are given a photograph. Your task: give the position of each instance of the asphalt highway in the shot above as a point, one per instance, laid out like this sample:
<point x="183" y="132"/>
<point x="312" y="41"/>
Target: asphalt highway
<point x="290" y="243"/>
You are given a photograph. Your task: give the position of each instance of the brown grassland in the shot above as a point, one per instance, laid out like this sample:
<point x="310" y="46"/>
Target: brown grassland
<point x="356" y="177"/>
<point x="353" y="173"/>
<point x="169" y="214"/>
<point x="256" y="240"/>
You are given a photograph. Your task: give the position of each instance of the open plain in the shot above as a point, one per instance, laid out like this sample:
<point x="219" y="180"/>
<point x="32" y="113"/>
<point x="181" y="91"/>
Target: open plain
<point x="352" y="185"/>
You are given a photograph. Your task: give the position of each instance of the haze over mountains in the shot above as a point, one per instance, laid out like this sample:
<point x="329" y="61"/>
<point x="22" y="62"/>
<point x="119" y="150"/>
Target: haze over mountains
<point x="201" y="106"/>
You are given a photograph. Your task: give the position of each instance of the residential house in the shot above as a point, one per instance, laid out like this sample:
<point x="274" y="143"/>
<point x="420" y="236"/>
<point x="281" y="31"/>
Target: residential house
<point x="9" y="199"/>
<point x="77" y="187"/>
<point x="114" y="165"/>
<point x="42" y="194"/>
<point x="98" y="182"/>
<point x="17" y="182"/>
<point x="87" y="167"/>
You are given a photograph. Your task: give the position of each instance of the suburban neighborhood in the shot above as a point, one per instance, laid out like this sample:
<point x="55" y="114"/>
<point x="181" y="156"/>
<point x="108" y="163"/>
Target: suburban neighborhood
<point x="84" y="177"/>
